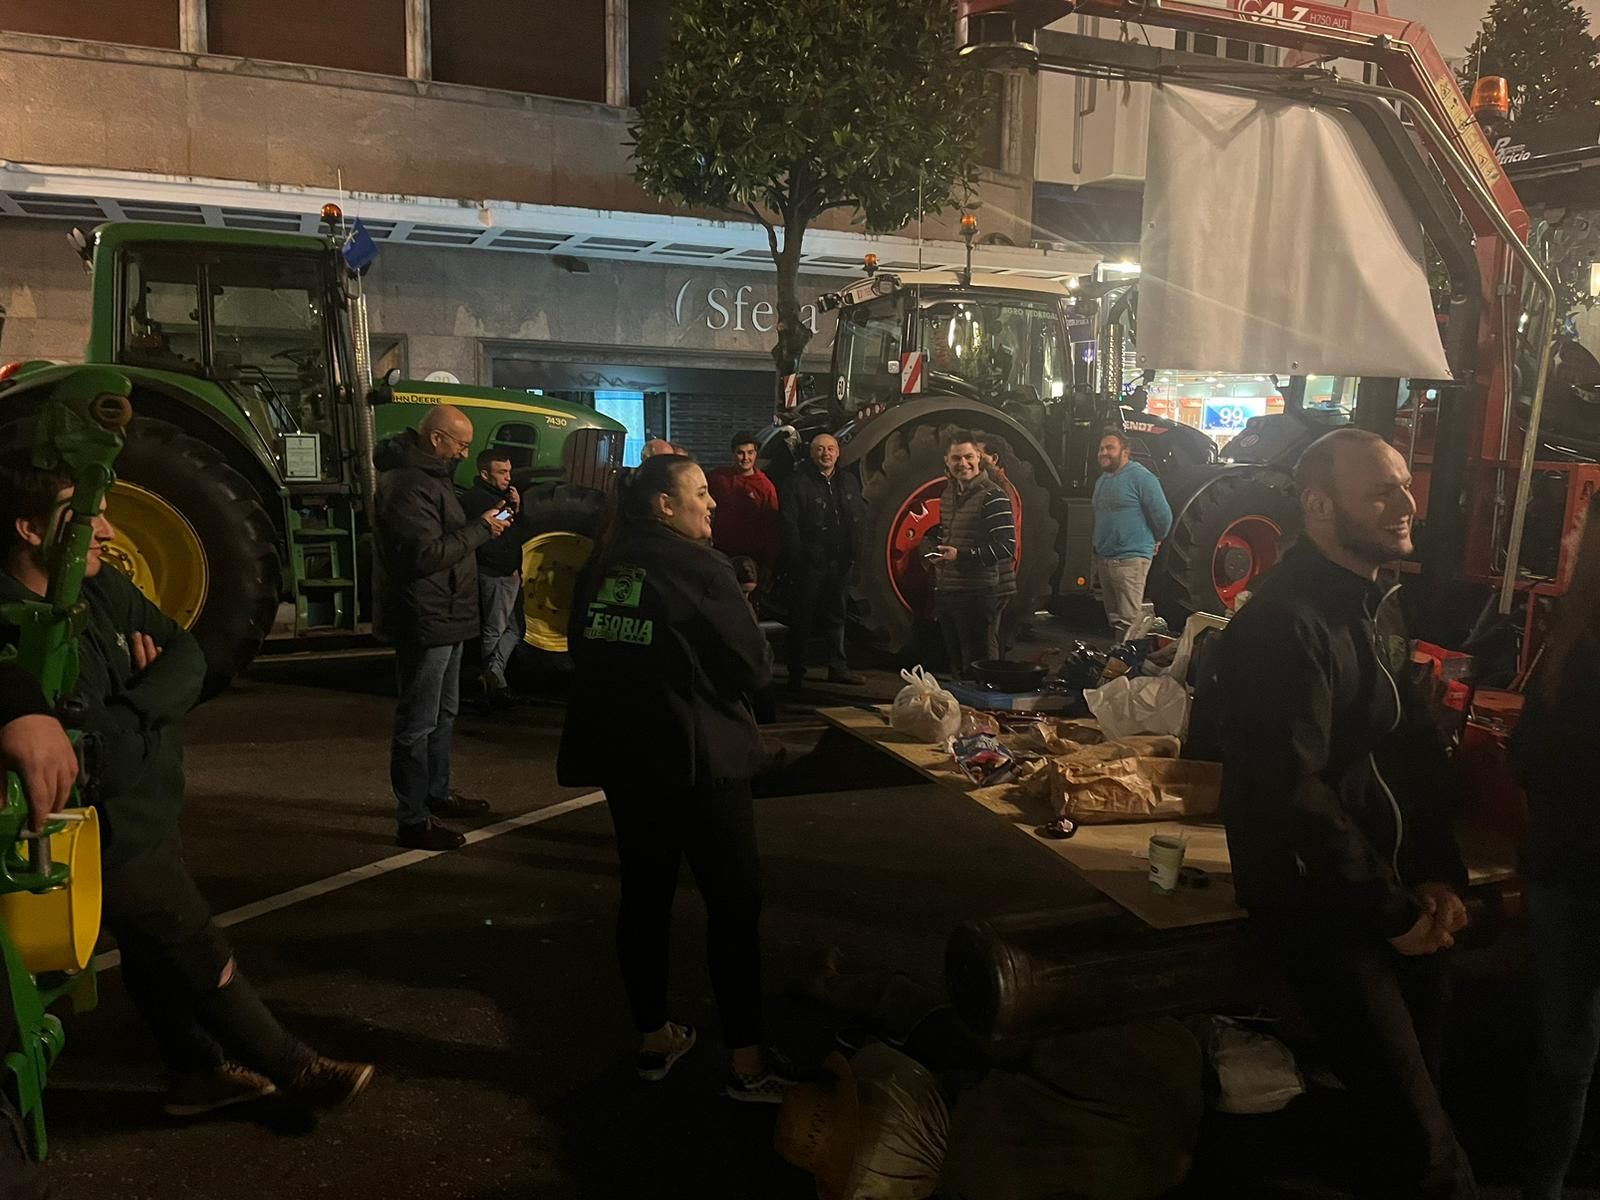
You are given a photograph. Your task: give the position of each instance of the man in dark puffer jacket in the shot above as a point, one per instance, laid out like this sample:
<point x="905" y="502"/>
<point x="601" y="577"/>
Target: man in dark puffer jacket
<point x="425" y="592"/>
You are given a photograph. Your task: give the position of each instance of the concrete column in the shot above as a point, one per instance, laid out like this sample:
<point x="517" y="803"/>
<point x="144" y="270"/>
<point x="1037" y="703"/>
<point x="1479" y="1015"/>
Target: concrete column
<point x="192" y="26"/>
<point x="617" y="52"/>
<point x="419" y="39"/>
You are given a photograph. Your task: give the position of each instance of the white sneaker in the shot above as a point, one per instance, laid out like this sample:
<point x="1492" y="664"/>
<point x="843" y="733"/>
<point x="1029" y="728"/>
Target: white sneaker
<point x="765" y="1088"/>
<point x="653" y="1065"/>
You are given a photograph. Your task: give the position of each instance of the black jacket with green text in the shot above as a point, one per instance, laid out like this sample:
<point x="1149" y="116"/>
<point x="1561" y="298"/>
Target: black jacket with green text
<point x="132" y="715"/>
<point x="1336" y="793"/>
<point x="666" y="655"/>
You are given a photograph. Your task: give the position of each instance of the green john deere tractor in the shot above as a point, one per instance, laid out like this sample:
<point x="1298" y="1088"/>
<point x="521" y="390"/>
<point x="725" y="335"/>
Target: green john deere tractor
<point x="244" y="490"/>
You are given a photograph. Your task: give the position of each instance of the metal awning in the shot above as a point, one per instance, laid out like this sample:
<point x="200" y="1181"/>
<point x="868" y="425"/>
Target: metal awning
<point x="89" y="196"/>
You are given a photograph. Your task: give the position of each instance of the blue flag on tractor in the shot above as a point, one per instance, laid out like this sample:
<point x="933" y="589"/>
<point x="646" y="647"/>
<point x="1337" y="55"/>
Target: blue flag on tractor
<point x="359" y="249"/>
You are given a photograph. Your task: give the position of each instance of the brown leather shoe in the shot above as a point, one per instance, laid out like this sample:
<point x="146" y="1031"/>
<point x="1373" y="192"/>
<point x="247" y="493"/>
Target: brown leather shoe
<point x="195" y="1093"/>
<point x="328" y="1085"/>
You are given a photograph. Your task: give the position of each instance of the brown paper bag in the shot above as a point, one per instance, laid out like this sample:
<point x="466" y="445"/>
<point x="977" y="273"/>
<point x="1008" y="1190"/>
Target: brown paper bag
<point x="1112" y="790"/>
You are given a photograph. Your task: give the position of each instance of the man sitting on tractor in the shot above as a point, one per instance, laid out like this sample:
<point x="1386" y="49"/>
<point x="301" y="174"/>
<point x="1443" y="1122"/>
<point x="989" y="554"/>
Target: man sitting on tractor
<point x="139" y="674"/>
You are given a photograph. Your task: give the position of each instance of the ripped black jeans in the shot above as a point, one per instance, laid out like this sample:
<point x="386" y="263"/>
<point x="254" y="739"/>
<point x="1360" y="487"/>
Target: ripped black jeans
<point x="174" y="958"/>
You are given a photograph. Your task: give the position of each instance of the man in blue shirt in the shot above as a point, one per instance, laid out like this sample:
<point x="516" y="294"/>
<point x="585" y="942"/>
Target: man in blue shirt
<point x="1131" y="516"/>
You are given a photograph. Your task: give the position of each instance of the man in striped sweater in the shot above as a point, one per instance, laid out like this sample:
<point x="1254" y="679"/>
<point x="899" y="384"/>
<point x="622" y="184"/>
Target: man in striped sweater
<point x="975" y="548"/>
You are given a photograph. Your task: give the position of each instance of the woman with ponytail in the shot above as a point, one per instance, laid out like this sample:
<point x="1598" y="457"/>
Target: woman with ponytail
<point x="1556" y="750"/>
<point x="666" y="656"/>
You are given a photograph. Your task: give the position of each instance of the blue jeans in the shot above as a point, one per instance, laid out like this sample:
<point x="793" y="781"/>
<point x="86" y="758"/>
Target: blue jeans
<point x="1565" y="954"/>
<point x="424" y="719"/>
<point x="498" y="599"/>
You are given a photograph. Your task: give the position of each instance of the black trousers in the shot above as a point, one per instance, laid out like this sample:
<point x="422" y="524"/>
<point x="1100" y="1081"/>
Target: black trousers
<point x="173" y="960"/>
<point x="817" y="605"/>
<point x="1380" y="1017"/>
<point x="714" y="828"/>
<point x="970" y="622"/>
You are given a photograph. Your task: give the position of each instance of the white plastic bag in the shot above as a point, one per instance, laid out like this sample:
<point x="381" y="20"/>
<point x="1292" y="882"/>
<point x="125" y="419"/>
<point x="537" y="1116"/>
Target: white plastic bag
<point x="1146" y="704"/>
<point x="1142" y="624"/>
<point x="924" y="710"/>
<point x="1255" y="1072"/>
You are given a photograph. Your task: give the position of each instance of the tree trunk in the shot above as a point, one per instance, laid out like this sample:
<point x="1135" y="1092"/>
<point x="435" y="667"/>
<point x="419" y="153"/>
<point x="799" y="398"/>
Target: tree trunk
<point x="793" y="334"/>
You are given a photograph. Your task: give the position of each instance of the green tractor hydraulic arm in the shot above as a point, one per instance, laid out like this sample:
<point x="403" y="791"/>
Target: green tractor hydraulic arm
<point x="79" y="433"/>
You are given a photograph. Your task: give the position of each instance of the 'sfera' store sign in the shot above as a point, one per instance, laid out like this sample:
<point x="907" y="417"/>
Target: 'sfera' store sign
<point x="732" y="309"/>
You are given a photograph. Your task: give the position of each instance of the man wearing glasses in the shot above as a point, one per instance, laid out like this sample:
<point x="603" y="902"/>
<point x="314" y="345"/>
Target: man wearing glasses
<point x="425" y="590"/>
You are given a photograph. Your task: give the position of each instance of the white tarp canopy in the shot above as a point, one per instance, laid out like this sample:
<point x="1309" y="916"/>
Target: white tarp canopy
<point x="1275" y="239"/>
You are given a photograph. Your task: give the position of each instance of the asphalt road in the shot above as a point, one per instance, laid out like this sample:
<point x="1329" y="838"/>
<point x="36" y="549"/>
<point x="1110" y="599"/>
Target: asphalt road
<point x="483" y="982"/>
<point x="483" y="985"/>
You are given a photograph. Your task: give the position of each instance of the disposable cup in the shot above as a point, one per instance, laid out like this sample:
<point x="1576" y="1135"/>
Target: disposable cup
<point x="1166" y="857"/>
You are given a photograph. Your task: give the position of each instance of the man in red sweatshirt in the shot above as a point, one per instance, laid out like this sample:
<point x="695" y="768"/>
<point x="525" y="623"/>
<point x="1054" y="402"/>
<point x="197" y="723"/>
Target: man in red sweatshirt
<point x="746" y="519"/>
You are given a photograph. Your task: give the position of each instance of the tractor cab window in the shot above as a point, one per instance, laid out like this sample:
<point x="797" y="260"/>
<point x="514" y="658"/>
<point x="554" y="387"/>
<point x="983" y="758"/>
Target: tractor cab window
<point x="867" y="354"/>
<point x="161" y="309"/>
<point x="996" y="350"/>
<point x="518" y="442"/>
<point x="258" y="325"/>
<point x="270" y="344"/>
<point x="1333" y="396"/>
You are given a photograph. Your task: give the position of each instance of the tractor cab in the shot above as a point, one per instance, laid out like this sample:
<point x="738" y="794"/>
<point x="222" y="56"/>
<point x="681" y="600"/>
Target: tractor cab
<point x="263" y="320"/>
<point x="996" y="340"/>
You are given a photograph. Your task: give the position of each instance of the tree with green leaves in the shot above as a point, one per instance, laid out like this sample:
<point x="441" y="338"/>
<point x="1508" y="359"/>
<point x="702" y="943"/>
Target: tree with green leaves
<point x="1546" y="53"/>
<point x="780" y="110"/>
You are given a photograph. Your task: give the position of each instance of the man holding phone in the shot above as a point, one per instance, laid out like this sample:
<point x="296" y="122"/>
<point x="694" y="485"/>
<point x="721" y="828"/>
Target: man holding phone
<point x="499" y="568"/>
<point x="425" y="590"/>
<point x="972" y="554"/>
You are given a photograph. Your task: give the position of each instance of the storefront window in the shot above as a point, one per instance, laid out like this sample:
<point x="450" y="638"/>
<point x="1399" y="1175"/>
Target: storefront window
<point x="627" y="408"/>
<point x="1218" y="405"/>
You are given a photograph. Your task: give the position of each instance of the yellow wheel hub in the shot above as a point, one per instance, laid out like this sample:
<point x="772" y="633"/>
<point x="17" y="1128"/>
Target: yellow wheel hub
<point x="157" y="548"/>
<point x="550" y="566"/>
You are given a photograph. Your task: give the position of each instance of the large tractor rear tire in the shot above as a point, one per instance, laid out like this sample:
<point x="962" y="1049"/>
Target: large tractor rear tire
<point x="566" y="521"/>
<point x="192" y="534"/>
<point x="1231" y="532"/>
<point x="901" y="481"/>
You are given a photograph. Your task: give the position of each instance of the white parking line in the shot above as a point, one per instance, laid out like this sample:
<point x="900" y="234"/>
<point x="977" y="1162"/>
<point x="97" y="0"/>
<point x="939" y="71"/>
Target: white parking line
<point x="384" y="866"/>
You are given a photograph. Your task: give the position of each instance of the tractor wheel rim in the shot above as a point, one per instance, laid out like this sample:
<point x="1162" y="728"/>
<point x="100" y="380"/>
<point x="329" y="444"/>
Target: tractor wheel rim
<point x="1247" y="547"/>
<point x="550" y="566"/>
<point x="909" y="576"/>
<point x="156" y="547"/>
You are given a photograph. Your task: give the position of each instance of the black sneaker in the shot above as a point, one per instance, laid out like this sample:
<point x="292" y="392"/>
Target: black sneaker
<point x="653" y="1065"/>
<point x="845" y="675"/>
<point x="327" y="1085"/>
<point x="766" y="1088"/>
<point x="195" y="1093"/>
<point x="459" y="806"/>
<point x="432" y="836"/>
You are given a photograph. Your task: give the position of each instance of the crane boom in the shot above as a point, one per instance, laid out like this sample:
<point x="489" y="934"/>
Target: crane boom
<point x="1415" y="73"/>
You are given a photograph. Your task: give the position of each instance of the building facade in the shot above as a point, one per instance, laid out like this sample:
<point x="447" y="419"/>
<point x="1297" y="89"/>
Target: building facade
<point x="484" y="145"/>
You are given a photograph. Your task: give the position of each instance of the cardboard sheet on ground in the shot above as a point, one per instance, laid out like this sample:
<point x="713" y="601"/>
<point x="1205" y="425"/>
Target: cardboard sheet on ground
<point x="1275" y="239"/>
<point x="1110" y="857"/>
<point x="1113" y="858"/>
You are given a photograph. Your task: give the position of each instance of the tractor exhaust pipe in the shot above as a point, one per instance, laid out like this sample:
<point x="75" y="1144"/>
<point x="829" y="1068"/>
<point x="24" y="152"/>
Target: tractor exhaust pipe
<point x="366" y="431"/>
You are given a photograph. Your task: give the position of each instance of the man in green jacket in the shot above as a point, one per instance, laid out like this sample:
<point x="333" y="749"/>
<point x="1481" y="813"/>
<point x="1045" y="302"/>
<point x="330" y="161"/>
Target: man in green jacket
<point x="139" y="674"/>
